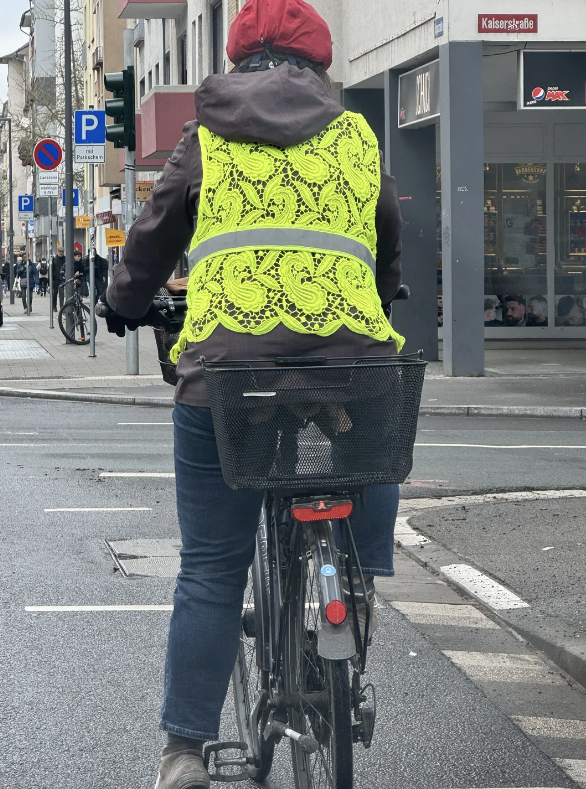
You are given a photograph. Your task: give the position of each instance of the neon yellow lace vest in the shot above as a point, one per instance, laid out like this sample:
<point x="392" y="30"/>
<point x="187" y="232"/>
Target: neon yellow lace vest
<point x="287" y="235"/>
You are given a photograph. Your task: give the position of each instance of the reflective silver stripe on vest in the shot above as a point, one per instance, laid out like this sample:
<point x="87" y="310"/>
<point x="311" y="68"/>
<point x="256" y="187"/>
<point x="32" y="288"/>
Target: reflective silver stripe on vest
<point x="261" y="237"/>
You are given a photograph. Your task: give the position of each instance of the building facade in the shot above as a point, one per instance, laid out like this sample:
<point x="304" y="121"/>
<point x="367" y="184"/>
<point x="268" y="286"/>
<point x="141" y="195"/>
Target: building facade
<point x="492" y="181"/>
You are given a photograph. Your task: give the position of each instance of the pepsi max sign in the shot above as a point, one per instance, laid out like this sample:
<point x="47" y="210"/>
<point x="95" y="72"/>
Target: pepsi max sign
<point x="552" y="80"/>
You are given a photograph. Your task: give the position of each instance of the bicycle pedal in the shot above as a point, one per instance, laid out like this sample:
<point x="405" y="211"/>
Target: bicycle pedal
<point x="217" y="764"/>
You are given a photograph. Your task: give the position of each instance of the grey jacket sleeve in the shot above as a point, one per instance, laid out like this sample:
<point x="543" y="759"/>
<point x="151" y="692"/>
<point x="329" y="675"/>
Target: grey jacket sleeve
<point x="163" y="231"/>
<point x="389" y="225"/>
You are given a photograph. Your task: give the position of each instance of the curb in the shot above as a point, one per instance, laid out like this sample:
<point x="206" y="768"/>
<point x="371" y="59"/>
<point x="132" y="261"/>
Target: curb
<point x="544" y="412"/>
<point x="87" y="397"/>
<point x="568" y="654"/>
<point x="555" y="412"/>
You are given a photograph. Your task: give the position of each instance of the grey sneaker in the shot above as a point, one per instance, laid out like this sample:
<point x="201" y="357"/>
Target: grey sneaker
<point x="361" y="604"/>
<point x="182" y="769"/>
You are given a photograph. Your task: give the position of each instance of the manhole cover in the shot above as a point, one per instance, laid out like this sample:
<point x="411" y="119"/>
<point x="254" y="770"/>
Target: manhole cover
<point x="154" y="558"/>
<point x="22" y="349"/>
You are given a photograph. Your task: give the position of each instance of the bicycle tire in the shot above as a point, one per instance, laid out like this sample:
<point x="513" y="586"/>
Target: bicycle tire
<point x="250" y="676"/>
<point x="304" y="673"/>
<point x="81" y="322"/>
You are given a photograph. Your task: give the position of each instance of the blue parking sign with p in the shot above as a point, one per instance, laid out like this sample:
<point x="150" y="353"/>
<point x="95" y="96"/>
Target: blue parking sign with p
<point x="75" y="198"/>
<point x="90" y="127"/>
<point x="26" y="203"/>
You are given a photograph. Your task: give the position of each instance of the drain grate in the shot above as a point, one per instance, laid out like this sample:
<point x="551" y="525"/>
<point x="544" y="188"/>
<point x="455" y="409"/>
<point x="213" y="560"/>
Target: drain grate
<point x="22" y="349"/>
<point x="146" y="558"/>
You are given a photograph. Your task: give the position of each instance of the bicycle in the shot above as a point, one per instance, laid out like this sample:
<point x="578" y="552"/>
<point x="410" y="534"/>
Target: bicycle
<point x="74" y="317"/>
<point x="311" y="432"/>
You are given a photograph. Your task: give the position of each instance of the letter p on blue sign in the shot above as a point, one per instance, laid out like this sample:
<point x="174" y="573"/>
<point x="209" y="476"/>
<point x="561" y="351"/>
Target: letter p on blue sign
<point x="90" y="127"/>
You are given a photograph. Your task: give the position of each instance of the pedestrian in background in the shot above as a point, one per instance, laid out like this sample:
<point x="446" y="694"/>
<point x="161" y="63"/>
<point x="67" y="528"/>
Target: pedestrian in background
<point x="58" y="265"/>
<point x="43" y="272"/>
<point x="101" y="274"/>
<point x="5" y="276"/>
<point x="27" y="275"/>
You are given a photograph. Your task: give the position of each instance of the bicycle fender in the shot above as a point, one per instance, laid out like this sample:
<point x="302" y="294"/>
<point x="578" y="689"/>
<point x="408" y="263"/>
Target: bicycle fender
<point x="336" y="642"/>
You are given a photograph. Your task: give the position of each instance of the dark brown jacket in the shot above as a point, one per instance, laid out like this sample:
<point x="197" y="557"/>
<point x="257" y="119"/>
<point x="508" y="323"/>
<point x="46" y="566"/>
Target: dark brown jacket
<point x="282" y="106"/>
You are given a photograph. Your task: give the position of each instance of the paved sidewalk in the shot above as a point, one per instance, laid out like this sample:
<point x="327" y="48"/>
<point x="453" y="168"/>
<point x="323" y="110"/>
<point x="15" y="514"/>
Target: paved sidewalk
<point x="32" y="356"/>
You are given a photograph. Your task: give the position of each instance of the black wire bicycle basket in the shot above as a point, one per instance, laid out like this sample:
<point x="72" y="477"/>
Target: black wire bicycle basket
<point x="319" y="426"/>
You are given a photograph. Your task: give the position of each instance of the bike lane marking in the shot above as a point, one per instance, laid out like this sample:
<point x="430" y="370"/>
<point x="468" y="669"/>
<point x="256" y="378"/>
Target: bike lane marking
<point x="506" y="446"/>
<point x="43" y="609"/>
<point x="99" y="509"/>
<point x="163" y="474"/>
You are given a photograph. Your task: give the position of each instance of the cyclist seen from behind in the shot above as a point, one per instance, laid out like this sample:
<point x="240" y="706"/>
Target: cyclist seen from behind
<point x="280" y="196"/>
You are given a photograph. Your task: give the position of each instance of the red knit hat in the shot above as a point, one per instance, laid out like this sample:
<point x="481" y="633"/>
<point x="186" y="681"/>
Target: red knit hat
<point x="292" y="27"/>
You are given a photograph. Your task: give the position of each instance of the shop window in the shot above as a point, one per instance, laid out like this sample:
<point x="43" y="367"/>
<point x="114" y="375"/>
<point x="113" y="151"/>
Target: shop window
<point x="570" y="257"/>
<point x="515" y="245"/>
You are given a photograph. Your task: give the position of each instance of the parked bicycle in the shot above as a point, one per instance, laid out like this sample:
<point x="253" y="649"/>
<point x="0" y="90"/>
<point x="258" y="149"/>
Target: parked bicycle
<point x="74" y="316"/>
<point x="311" y="432"/>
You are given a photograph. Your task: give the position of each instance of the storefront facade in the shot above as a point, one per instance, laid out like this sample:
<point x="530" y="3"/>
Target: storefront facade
<point x="496" y="235"/>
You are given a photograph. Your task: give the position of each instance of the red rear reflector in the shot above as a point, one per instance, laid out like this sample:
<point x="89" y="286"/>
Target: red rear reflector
<point x="335" y="512"/>
<point x="336" y="612"/>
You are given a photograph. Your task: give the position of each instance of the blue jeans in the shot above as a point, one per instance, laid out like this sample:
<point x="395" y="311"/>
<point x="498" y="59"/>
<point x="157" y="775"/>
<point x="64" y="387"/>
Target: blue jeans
<point x="218" y="529"/>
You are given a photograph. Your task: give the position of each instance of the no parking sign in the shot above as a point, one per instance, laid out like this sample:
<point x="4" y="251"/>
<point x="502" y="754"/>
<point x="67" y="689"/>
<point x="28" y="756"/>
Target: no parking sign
<point x="48" y="154"/>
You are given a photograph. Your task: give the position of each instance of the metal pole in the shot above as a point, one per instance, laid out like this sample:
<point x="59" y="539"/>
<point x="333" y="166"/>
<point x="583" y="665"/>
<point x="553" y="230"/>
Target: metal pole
<point x="28" y="280"/>
<point x="10" y="210"/>
<point x="68" y="159"/>
<point x="132" y="356"/>
<point x="92" y="262"/>
<point x="50" y="257"/>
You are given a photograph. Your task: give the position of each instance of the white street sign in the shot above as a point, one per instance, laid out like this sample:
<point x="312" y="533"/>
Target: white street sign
<point x="47" y="177"/>
<point x="90" y="154"/>
<point x="48" y="190"/>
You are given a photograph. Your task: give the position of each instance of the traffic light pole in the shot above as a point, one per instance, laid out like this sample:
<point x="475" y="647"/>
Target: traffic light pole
<point x="69" y="270"/>
<point x="132" y="361"/>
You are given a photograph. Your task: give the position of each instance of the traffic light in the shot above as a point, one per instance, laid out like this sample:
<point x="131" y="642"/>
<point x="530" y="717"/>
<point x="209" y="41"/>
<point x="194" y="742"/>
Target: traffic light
<point x="121" y="108"/>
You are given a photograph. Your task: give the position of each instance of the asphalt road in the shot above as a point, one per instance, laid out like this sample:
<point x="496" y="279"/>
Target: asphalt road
<point x="467" y="454"/>
<point x="80" y="692"/>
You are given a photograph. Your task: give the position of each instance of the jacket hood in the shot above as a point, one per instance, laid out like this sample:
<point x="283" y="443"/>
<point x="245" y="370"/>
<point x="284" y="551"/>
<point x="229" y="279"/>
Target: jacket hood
<point x="282" y="106"/>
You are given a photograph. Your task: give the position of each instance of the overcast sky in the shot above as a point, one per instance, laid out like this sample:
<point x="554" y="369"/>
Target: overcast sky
<point x="11" y="36"/>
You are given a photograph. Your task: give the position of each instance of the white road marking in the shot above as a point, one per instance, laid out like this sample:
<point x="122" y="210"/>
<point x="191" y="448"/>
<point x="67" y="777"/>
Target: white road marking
<point x="66" y="609"/>
<point x="99" y="509"/>
<point x="406" y="535"/>
<point x="444" y="614"/>
<point x="28" y="444"/>
<point x="145" y="423"/>
<point x="479" y="585"/>
<point x="411" y="505"/>
<point x="72" y="378"/>
<point x="552" y="727"/>
<point x="503" y="667"/>
<point x="508" y="446"/>
<point x="576" y="769"/>
<point x="165" y="474"/>
<point x="19" y="433"/>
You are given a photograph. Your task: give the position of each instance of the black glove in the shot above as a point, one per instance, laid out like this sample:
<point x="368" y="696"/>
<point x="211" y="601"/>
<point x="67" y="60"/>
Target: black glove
<point x="117" y="324"/>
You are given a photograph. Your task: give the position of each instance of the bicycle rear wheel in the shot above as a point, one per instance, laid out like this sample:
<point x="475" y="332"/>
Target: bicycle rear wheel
<point x="77" y="315"/>
<point x="318" y="691"/>
<point x="250" y="679"/>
